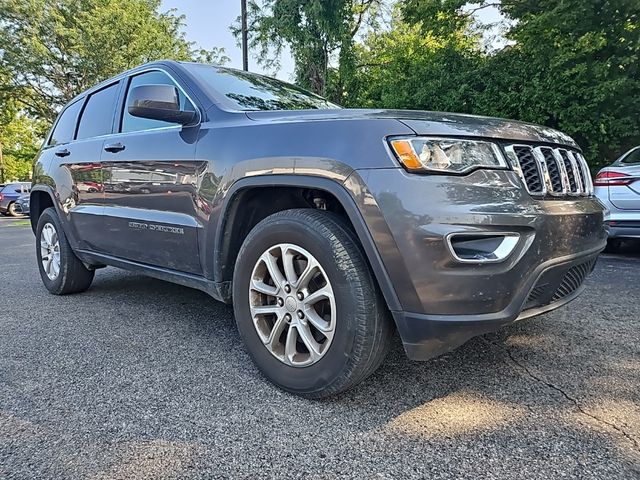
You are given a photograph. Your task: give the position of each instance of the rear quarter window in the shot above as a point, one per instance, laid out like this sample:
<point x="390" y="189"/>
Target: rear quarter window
<point x="66" y="125"/>
<point x="632" y="158"/>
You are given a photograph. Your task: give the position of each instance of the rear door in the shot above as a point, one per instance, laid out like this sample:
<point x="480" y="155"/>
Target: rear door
<point x="79" y="165"/>
<point x="151" y="183"/>
<point x="627" y="197"/>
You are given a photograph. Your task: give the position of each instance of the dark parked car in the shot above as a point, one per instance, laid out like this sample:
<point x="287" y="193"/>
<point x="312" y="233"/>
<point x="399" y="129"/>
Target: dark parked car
<point x="327" y="228"/>
<point x="22" y="204"/>
<point x="9" y="193"/>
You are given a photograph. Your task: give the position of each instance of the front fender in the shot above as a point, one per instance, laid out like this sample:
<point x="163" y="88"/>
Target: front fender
<point x="338" y="189"/>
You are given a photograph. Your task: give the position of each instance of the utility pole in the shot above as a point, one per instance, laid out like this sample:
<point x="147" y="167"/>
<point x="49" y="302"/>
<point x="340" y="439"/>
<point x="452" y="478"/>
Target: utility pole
<point x="245" y="35"/>
<point x="1" y="164"/>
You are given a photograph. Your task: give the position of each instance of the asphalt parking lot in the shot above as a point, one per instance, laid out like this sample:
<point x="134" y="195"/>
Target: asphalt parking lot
<point x="138" y="378"/>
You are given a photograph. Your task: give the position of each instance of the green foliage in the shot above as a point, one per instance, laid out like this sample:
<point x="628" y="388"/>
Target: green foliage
<point x="581" y="71"/>
<point x="573" y="66"/>
<point x="56" y="49"/>
<point x="215" y="56"/>
<point x="314" y="30"/>
<point x="21" y="140"/>
<point x="408" y="67"/>
<point x="50" y="51"/>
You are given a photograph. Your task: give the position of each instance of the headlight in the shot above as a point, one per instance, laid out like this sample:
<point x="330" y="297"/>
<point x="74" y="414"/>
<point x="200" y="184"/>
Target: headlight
<point x="446" y="155"/>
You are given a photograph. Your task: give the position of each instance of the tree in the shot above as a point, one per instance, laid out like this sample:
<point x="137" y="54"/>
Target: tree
<point x="55" y="49"/>
<point x="314" y="30"/>
<point x="21" y="138"/>
<point x="572" y="65"/>
<point x="580" y="64"/>
<point x="418" y="65"/>
<point x="50" y="51"/>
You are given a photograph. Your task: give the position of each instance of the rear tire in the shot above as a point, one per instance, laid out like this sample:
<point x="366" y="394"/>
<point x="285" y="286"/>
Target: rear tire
<point x="357" y="319"/>
<point x="61" y="271"/>
<point x="614" y="245"/>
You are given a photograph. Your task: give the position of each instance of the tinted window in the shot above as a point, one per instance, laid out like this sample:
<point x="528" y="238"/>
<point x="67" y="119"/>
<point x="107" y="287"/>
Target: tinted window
<point x="97" y="116"/>
<point x="633" y="158"/>
<point x="135" y="124"/>
<point x="66" y="126"/>
<point x="248" y="91"/>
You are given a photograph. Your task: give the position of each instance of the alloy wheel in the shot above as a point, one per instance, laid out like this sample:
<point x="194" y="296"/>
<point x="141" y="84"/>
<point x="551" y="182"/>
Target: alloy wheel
<point x="292" y="305"/>
<point x="50" y="251"/>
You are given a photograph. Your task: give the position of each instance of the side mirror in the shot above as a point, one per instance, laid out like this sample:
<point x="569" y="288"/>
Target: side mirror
<point x="158" y="102"/>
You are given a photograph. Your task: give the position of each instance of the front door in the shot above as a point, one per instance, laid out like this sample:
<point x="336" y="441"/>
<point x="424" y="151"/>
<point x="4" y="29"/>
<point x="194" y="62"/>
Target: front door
<point x="151" y="178"/>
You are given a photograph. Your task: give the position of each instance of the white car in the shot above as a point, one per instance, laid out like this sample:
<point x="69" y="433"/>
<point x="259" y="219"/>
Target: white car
<point x="618" y="188"/>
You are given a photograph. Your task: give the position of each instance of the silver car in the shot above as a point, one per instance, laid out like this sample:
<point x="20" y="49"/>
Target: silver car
<point x="618" y="188"/>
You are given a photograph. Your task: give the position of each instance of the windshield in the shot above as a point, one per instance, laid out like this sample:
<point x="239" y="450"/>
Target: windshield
<point x="250" y="92"/>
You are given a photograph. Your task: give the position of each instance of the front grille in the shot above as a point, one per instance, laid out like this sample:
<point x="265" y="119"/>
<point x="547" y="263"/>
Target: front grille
<point x="558" y="283"/>
<point x="557" y="172"/>
<point x="573" y="279"/>
<point x="535" y="294"/>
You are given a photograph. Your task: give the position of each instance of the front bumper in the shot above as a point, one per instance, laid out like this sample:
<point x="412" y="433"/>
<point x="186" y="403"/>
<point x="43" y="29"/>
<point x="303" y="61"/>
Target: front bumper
<point x="22" y="208"/>
<point x="553" y="286"/>
<point x="444" y="301"/>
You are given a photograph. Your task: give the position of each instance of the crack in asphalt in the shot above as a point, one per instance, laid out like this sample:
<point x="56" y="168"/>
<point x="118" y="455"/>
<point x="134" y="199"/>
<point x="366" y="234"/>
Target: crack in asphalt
<point x="563" y="393"/>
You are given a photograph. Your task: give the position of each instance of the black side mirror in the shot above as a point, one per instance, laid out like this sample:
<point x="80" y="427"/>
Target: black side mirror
<point x="158" y="102"/>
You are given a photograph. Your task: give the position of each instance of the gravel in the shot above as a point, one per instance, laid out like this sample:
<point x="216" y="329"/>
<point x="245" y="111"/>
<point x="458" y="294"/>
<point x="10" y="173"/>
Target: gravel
<point x="138" y="378"/>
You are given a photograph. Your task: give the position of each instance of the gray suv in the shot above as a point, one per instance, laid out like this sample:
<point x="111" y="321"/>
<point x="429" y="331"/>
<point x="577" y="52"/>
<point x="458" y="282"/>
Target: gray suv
<point x="328" y="229"/>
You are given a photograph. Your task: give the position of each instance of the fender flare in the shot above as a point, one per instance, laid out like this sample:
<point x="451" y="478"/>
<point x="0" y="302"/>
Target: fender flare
<point x="49" y="191"/>
<point x="339" y="191"/>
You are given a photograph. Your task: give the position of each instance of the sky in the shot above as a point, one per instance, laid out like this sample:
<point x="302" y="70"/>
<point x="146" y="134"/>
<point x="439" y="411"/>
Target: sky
<point x="207" y="24"/>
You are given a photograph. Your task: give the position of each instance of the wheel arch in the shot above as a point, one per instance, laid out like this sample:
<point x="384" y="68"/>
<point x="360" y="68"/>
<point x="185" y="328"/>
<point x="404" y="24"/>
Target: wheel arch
<point x="227" y="242"/>
<point x="40" y="198"/>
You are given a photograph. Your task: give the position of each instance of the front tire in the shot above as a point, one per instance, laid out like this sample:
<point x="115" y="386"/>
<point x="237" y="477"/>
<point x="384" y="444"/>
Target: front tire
<point x="61" y="271"/>
<point x="307" y="305"/>
<point x="12" y="211"/>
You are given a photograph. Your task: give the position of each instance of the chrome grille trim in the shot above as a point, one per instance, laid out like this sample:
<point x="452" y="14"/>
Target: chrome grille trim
<point x="586" y="174"/>
<point x="558" y="172"/>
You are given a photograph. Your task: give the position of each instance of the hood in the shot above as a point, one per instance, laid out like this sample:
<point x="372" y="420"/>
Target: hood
<point x="430" y="123"/>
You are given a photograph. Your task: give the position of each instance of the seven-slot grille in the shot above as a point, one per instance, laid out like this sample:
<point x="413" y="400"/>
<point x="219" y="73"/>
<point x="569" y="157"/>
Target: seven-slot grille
<point x="551" y="171"/>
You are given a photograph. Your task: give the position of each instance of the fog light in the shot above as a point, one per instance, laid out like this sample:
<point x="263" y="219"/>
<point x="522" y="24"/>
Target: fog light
<point x="482" y="248"/>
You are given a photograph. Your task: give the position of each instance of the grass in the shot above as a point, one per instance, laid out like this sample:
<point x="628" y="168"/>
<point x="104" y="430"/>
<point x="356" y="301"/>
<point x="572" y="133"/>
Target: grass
<point x="20" y="223"/>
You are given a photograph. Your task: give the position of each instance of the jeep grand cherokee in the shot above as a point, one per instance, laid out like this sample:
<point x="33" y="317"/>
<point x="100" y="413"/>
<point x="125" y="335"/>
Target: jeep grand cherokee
<point x="328" y="228"/>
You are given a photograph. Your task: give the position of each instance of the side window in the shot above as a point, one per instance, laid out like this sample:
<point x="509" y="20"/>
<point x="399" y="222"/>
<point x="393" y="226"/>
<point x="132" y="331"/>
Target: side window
<point x="135" y="124"/>
<point x="66" y="126"/>
<point x="97" y="116"/>
<point x="632" y="158"/>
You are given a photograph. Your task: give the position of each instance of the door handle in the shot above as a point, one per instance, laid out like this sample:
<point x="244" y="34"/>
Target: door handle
<point x="63" y="153"/>
<point x="114" y="147"/>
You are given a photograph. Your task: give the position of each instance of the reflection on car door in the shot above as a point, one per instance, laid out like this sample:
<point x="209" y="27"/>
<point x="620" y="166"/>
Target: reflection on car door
<point x="151" y="180"/>
<point x="77" y="152"/>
